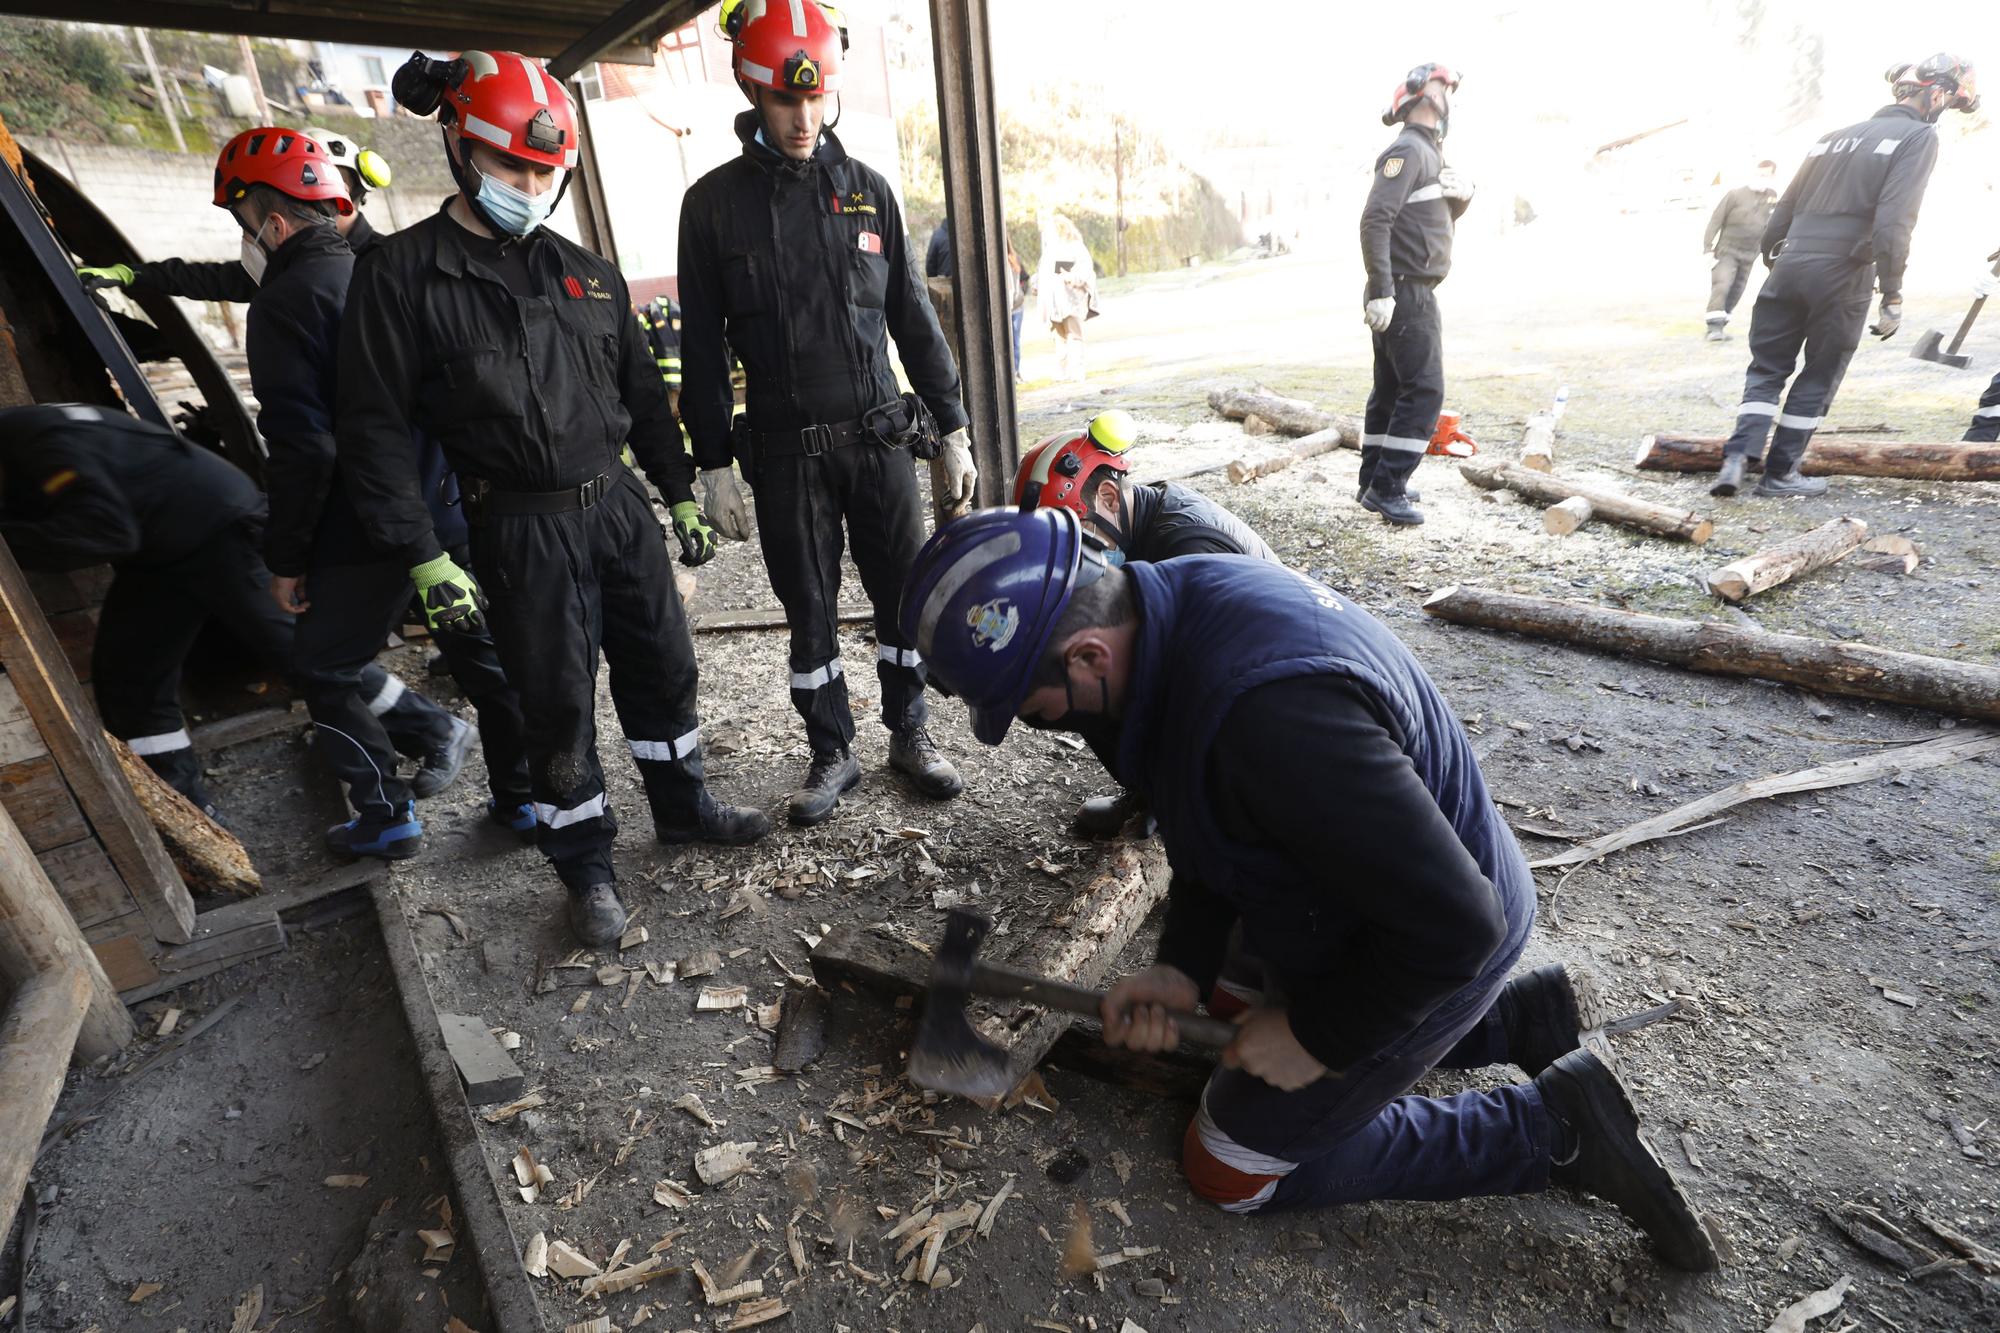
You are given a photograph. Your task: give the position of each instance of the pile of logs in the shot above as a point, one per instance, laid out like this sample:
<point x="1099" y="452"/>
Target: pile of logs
<point x="1263" y="412"/>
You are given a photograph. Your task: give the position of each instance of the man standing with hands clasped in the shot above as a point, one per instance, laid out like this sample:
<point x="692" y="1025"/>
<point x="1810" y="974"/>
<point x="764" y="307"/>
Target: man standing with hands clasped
<point x="796" y="253"/>
<point x="1406" y="247"/>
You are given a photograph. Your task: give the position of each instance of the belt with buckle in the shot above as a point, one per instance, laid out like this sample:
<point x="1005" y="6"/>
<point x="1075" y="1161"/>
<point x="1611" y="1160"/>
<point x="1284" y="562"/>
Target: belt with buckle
<point x="808" y="441"/>
<point x="481" y="501"/>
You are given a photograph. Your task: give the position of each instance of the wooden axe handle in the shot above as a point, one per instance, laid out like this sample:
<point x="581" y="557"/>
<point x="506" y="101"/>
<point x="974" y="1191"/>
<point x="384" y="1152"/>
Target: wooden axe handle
<point x="1011" y="984"/>
<point x="1978" y="304"/>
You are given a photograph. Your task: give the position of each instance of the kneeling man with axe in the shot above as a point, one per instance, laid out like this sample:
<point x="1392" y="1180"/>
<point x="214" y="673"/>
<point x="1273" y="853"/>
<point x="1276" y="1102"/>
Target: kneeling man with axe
<point x="1327" y="826"/>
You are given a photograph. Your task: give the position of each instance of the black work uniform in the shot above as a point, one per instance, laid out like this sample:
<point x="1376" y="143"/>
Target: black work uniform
<point x="805" y="268"/>
<point x="227" y="279"/>
<point x="183" y="530"/>
<point x="523" y="360"/>
<point x="354" y="596"/>
<point x="1406" y="245"/>
<point x="1842" y="226"/>
<point x="661" y="321"/>
<point x="1985" y="426"/>
<point x="1735" y="230"/>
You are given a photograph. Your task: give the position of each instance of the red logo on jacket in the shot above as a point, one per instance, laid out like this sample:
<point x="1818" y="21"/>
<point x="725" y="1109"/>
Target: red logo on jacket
<point x="573" y="287"/>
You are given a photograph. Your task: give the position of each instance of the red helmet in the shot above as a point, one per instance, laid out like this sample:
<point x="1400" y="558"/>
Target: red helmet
<point x="790" y="46"/>
<point x="283" y="159"/>
<point x="1055" y="472"/>
<point x="509" y="102"/>
<point x="1410" y="91"/>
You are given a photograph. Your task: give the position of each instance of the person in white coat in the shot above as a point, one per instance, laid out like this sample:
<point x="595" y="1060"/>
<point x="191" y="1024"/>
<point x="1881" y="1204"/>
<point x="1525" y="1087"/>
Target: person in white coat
<point x="1065" y="290"/>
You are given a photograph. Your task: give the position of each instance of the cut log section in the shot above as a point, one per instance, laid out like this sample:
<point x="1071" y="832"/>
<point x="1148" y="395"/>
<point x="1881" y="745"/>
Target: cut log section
<point x="1538" y="443"/>
<point x="1287" y="416"/>
<point x="1856" y="670"/>
<point x="1909" y="461"/>
<point x="1564" y="518"/>
<point x="1322" y="442"/>
<point x="1888" y="554"/>
<point x="208" y="855"/>
<point x="1824" y="545"/>
<point x="1607" y="504"/>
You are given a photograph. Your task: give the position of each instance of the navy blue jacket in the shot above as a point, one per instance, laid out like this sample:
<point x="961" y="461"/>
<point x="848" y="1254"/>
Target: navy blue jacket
<point x="1311" y="784"/>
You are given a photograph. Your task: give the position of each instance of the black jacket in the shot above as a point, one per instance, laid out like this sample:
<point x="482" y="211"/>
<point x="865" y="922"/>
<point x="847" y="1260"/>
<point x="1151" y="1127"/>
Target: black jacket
<point x="88" y="485"/>
<point x="1169" y="520"/>
<point x="290" y="336"/>
<point x="1857" y="194"/>
<point x="1406" y="223"/>
<point x="806" y="270"/>
<point x="526" y="393"/>
<point x="225" y="279"/>
<point x="1739" y="220"/>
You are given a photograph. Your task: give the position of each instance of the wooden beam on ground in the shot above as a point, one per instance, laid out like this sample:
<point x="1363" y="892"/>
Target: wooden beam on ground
<point x="39" y="938"/>
<point x="723" y="622"/>
<point x="1855" y="670"/>
<point x="69" y="726"/>
<point x="1824" y="545"/>
<point x="208" y="856"/>
<point x="1607" y="504"/>
<point x="1291" y="416"/>
<point x="254" y="725"/>
<point x="37" y="1033"/>
<point x="1951" y="460"/>
<point x="1311" y="446"/>
<point x="1565" y="517"/>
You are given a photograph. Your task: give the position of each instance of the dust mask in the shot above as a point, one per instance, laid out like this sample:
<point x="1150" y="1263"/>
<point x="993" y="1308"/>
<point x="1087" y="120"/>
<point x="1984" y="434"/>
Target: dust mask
<point x="255" y="257"/>
<point x="516" y="212"/>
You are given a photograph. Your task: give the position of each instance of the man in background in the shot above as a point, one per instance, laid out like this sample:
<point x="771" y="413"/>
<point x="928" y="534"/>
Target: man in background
<point x="1734" y="231"/>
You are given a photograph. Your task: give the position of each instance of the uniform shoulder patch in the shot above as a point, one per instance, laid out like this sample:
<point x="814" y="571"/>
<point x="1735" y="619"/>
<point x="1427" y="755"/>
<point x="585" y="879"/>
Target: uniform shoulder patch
<point x="1392" y="168"/>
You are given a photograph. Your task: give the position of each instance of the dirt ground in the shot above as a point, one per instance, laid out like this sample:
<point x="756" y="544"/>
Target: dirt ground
<point x="1789" y="1083"/>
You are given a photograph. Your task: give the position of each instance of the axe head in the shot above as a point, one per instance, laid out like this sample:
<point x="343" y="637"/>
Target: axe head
<point x="1930" y="347"/>
<point x="948" y="1056"/>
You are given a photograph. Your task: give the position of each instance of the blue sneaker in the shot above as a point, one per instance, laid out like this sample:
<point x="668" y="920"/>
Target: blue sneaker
<point x="520" y="818"/>
<point x="393" y="837"/>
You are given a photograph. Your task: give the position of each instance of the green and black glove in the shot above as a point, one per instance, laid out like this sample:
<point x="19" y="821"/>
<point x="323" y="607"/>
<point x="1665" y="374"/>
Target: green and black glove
<point x="697" y="538"/>
<point x="111" y="275"/>
<point x="452" y="601"/>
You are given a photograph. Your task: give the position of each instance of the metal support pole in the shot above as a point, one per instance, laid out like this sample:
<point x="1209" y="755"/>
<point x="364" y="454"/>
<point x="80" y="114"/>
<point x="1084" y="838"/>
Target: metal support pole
<point x="593" y="212"/>
<point x="160" y="88"/>
<point x="969" y="133"/>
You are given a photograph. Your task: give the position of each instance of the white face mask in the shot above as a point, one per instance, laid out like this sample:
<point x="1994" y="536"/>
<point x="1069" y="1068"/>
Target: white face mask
<point x="516" y="212"/>
<point x="255" y="258"/>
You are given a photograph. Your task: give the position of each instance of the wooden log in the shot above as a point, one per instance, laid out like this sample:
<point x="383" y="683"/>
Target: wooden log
<point x="1323" y="442"/>
<point x="1888" y="554"/>
<point x="1605" y="503"/>
<point x="1951" y="460"/>
<point x="1566" y="517"/>
<point x="1538" y="443"/>
<point x="38" y="938"/>
<point x="1824" y="545"/>
<point x="1288" y="416"/>
<point x="208" y="856"/>
<point x="36" y="1038"/>
<point x="1856" y="670"/>
<point x="69" y="726"/>
<point x="721" y="622"/>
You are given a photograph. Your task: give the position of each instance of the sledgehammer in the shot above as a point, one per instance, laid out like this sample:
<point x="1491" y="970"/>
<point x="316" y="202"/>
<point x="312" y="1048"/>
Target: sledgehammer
<point x="948" y="1056"/>
<point x="1927" y="346"/>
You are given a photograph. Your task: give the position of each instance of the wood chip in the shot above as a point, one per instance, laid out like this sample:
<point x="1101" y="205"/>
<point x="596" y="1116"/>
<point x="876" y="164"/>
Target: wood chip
<point x="524" y="1169"/>
<point x="535" y="1256"/>
<point x="601" y="1324"/>
<point x="142" y="1291"/>
<point x="690" y="1103"/>
<point x="663" y="974"/>
<point x="1078" y="1258"/>
<point x="1794" y="1318"/>
<point x="1122" y="1165"/>
<point x="510" y="1041"/>
<point x="795" y="1247"/>
<point x="248" y="1310"/>
<point x="565" y="1261"/>
<point x="611" y="975"/>
<point x="756" y="1312"/>
<point x="514" y="1108"/>
<point x="704" y="964"/>
<point x="1129" y="1327"/>
<point x="713" y="998"/>
<point x="438" y="1245"/>
<point x="992" y="1210"/>
<point x="932" y="1249"/>
<point x="169" y="1020"/>
<point x="346" y="1182"/>
<point x="904" y="1227"/>
<point x="716" y="1294"/>
<point x="671" y="1194"/>
<point x="633" y="938"/>
<point x="723" y="1162"/>
<point x="1116" y="1209"/>
<point x="610" y="1284"/>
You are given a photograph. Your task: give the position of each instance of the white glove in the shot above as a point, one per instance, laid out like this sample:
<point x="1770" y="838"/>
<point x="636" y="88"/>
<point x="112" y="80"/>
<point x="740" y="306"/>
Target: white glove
<point x="723" y="503"/>
<point x="1987" y="285"/>
<point x="1452" y="185"/>
<point x="1379" y="312"/>
<point x="960" y="476"/>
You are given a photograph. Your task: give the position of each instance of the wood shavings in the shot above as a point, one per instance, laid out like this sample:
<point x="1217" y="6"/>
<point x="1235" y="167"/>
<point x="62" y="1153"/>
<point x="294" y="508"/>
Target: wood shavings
<point x="691" y="1103"/>
<point x="723" y="1162"/>
<point x="601" y="1324"/>
<point x="716" y="1294"/>
<point x="738" y="1268"/>
<point x="671" y="1194"/>
<point x="510" y="1041"/>
<point x="667" y="1240"/>
<point x="633" y="938"/>
<point x="754" y="1313"/>
<point x="1794" y="1318"/>
<point x="625" y="1279"/>
<point x="663" y="974"/>
<point x="438" y="1245"/>
<point x="992" y="1209"/>
<point x="535" y="1256"/>
<point x="1117" y="1209"/>
<point x="1121" y="1164"/>
<point x="1078" y="1257"/>
<point x="169" y="1019"/>
<point x="769" y="1014"/>
<point x="611" y="974"/>
<point x="580" y="1003"/>
<point x="514" y="1108"/>
<point x="704" y="964"/>
<point x="346" y="1182"/>
<point x="248" y="1310"/>
<point x="715" y="998"/>
<point x="908" y="1224"/>
<point x="142" y="1291"/>
<point x="566" y="1261"/>
<point x="795" y="1247"/>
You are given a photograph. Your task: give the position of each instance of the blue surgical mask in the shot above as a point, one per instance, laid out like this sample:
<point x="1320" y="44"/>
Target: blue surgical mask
<point x="515" y="212"/>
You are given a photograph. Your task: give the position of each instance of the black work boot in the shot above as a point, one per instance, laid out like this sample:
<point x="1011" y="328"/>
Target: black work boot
<point x="1548" y="1013"/>
<point x="595" y="913"/>
<point x="440" y="767"/>
<point x="1600" y="1151"/>
<point x="1730" y="479"/>
<point x="1410" y="493"/>
<point x="1791" y="484"/>
<point x="725" y="825"/>
<point x="1107" y="816"/>
<point x="832" y="773"/>
<point x="915" y="755"/>
<point x="1398" y="509"/>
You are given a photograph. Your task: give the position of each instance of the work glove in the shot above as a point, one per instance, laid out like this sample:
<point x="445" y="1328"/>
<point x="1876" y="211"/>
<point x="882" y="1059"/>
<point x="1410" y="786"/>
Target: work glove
<point x="452" y="601"/>
<point x="1988" y="284"/>
<point x="696" y="537"/>
<point x="1888" y="320"/>
<point x="960" y="475"/>
<point x="111" y="275"/>
<point x="1379" y="312"/>
<point x="1452" y="185"/>
<point x="723" y="503"/>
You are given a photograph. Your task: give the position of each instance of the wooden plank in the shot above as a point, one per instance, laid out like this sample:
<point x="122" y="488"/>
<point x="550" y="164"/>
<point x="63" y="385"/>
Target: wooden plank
<point x="38" y="1030"/>
<point x="127" y="963"/>
<point x="19" y="740"/>
<point x="719" y="622"/>
<point x="254" y="725"/>
<point x="34" y="793"/>
<point x="226" y="942"/>
<point x="87" y="882"/>
<point x="38" y="938"/>
<point x="70" y="729"/>
<point x="76" y="635"/>
<point x="484" y="1069"/>
<point x="248" y="945"/>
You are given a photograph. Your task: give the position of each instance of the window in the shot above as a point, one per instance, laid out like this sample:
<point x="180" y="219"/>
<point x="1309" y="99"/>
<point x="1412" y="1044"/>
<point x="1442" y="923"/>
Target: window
<point x="591" y="80"/>
<point x="372" y="71"/>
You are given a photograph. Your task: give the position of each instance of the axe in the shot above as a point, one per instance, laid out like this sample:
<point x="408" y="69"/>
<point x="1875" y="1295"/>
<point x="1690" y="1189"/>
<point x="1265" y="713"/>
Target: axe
<point x="948" y="1056"/>
<point x="1927" y="346"/>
